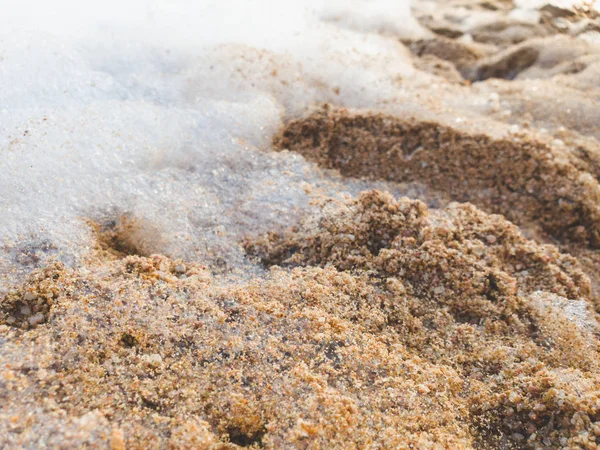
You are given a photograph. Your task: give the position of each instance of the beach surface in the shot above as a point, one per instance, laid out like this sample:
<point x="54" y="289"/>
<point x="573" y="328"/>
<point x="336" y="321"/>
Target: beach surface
<point x="318" y="225"/>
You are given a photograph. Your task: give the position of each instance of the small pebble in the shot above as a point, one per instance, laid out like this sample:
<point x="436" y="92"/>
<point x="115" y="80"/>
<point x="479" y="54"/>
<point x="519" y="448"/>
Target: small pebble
<point x="423" y="389"/>
<point x="29" y="296"/>
<point x="153" y="360"/>
<point x="514" y="397"/>
<point x="36" y="319"/>
<point x="165" y="276"/>
<point x="180" y="268"/>
<point x="491" y="239"/>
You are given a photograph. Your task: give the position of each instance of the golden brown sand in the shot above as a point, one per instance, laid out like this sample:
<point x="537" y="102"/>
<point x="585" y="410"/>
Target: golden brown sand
<point x="400" y="326"/>
<point x="380" y="323"/>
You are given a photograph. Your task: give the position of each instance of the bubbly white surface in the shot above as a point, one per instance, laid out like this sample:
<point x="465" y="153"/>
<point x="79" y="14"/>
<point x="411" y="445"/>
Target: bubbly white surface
<point x="165" y="110"/>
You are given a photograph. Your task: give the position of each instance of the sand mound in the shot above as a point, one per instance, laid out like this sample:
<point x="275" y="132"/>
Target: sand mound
<point x="459" y="319"/>
<point x="525" y="180"/>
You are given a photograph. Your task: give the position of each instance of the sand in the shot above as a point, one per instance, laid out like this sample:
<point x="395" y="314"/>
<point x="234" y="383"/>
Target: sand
<point x="466" y="318"/>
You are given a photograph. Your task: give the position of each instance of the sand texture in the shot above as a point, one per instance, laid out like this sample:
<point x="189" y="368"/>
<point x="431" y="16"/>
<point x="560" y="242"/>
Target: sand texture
<point x="435" y="283"/>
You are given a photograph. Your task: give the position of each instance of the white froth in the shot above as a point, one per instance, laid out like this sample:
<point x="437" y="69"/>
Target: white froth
<point x="165" y="111"/>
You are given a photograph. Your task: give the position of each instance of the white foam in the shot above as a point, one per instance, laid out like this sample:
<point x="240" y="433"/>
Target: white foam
<point x="165" y="111"/>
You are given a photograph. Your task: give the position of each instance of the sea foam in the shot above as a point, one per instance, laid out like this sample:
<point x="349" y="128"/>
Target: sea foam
<point x="164" y="112"/>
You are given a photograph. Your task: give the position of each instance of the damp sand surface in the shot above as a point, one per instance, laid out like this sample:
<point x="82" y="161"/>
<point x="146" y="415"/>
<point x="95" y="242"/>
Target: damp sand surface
<point x="437" y="288"/>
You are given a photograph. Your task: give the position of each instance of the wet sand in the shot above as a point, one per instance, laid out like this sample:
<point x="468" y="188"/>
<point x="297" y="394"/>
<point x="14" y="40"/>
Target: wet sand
<point x="467" y="318"/>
